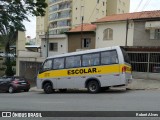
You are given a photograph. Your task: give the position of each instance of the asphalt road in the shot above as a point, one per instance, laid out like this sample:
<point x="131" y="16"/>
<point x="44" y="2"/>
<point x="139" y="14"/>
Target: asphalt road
<point x="113" y="100"/>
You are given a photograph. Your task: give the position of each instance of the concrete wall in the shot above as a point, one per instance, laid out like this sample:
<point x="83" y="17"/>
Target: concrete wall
<point x="117" y="6"/>
<point x="142" y="36"/>
<point x="75" y="42"/>
<point x="143" y="75"/>
<point x="119" y="34"/>
<point x="20" y="46"/>
<point x="41" y="26"/>
<point x="62" y="41"/>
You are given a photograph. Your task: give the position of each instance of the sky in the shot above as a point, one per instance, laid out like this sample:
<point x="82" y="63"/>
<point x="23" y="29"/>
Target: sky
<point x="135" y="6"/>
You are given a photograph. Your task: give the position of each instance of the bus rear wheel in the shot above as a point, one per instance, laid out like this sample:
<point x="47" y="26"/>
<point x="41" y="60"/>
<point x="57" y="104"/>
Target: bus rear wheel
<point x="93" y="87"/>
<point x="48" y="88"/>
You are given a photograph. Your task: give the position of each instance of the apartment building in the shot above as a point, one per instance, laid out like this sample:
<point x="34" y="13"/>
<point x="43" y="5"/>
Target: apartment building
<point x="62" y="15"/>
<point x="117" y="6"/>
<point x="66" y="14"/>
<point x="41" y="26"/>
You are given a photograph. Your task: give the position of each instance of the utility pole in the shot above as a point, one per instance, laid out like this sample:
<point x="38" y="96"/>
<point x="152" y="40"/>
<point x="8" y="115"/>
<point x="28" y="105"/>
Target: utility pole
<point x="82" y="28"/>
<point x="127" y="26"/>
<point x="82" y="20"/>
<point x="47" y="39"/>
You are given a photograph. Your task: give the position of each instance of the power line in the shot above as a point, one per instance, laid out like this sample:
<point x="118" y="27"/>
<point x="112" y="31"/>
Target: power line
<point x="139" y="5"/>
<point x="146" y="4"/>
<point x="92" y="12"/>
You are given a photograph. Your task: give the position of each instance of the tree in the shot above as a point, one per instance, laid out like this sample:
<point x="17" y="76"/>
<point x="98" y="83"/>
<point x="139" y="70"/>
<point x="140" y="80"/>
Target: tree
<point x="12" y="15"/>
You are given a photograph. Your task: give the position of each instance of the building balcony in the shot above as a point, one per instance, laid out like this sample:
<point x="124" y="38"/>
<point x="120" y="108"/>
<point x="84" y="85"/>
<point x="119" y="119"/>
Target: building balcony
<point x="61" y="27"/>
<point x="28" y="54"/>
<point x="60" y="10"/>
<point x="54" y="2"/>
<point x="60" y="19"/>
<point x="59" y="30"/>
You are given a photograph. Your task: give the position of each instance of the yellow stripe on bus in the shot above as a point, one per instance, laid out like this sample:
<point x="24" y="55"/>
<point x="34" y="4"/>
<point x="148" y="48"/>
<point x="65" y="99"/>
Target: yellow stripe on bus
<point x="84" y="71"/>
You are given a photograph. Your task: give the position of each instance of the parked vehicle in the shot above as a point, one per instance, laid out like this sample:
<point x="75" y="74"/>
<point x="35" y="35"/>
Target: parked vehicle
<point x="96" y="70"/>
<point x="156" y="69"/>
<point x="13" y="84"/>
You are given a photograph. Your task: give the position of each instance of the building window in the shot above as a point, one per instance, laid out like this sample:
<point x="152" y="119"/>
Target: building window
<point x="97" y="11"/>
<point x="103" y="3"/>
<point x="86" y="43"/>
<point x="102" y="12"/>
<point x="155" y="34"/>
<point x="108" y="34"/>
<point x="53" y="46"/>
<point x="119" y="11"/>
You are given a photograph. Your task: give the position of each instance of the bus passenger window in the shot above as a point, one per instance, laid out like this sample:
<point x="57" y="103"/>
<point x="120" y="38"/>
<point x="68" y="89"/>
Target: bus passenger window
<point x="47" y="65"/>
<point x="105" y="58"/>
<point x="73" y="62"/>
<point x="114" y="57"/>
<point x="95" y="59"/>
<point x="86" y="60"/>
<point x="109" y="57"/>
<point x="58" y="63"/>
<point x="91" y="59"/>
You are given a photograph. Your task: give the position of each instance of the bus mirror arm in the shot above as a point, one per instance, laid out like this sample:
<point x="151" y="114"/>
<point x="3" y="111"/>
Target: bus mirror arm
<point x="40" y="70"/>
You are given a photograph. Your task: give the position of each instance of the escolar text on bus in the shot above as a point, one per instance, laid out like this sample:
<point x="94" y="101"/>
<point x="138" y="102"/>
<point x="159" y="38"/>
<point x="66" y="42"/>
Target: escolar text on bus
<point x="82" y="71"/>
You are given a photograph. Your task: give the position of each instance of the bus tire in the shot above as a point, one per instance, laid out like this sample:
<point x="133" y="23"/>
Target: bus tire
<point x="48" y="88"/>
<point x="93" y="86"/>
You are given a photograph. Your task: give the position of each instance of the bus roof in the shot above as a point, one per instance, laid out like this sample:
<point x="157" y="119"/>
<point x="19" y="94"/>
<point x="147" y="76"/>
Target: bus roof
<point x="84" y="52"/>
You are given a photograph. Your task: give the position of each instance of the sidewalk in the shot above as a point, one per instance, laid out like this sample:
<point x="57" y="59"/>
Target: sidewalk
<point x="137" y="84"/>
<point x="143" y="84"/>
<point x="34" y="89"/>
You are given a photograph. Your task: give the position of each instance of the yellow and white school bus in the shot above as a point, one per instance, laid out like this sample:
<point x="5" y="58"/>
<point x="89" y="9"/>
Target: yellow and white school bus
<point x="95" y="70"/>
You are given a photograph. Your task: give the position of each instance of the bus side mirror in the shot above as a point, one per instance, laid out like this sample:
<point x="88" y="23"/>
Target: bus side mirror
<point x="41" y="69"/>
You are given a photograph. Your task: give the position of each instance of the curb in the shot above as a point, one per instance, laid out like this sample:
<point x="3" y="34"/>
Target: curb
<point x="137" y="84"/>
<point x="34" y="89"/>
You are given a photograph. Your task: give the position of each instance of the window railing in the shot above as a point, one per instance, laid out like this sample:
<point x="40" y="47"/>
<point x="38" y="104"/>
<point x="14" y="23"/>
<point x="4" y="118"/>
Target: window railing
<point x="56" y="16"/>
<point x="58" y="8"/>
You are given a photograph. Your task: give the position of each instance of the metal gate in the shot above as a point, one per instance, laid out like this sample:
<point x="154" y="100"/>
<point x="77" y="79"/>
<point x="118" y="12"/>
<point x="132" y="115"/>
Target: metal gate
<point x="147" y="62"/>
<point x="29" y="70"/>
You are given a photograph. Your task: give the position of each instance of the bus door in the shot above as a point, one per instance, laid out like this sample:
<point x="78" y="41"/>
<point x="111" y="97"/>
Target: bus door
<point x="62" y="78"/>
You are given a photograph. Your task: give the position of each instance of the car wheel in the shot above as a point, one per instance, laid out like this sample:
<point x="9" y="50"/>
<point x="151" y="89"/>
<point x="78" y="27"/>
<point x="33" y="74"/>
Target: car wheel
<point x="48" y="88"/>
<point x="11" y="89"/>
<point x="62" y="90"/>
<point x="93" y="87"/>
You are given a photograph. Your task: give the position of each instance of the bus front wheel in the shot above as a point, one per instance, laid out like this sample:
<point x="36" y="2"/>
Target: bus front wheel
<point x="93" y="86"/>
<point x="48" y="88"/>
